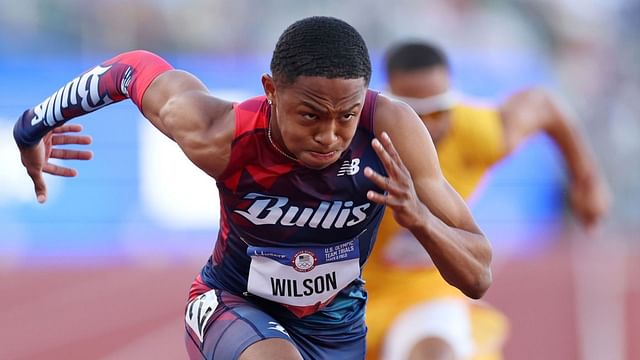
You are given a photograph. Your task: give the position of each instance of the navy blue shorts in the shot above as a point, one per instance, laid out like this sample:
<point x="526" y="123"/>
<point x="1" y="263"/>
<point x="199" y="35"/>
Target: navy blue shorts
<point x="220" y="325"/>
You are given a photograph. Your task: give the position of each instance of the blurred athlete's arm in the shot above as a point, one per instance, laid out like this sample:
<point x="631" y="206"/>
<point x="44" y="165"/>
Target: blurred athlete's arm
<point x="424" y="202"/>
<point x="174" y="101"/>
<point x="533" y="110"/>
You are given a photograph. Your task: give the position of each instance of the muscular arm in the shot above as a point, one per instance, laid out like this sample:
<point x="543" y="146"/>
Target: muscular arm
<point x="180" y="106"/>
<point x="533" y="110"/>
<point x="424" y="202"/>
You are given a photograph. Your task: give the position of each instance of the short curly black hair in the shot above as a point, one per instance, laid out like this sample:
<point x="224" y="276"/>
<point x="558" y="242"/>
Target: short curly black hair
<point x="320" y="46"/>
<point x="414" y="55"/>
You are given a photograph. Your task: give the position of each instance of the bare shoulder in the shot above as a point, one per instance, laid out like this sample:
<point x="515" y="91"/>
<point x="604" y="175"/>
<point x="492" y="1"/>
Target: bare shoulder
<point x="197" y="110"/>
<point x="524" y="102"/>
<point x="398" y="120"/>
<point x="202" y="124"/>
<point x="180" y="94"/>
<point x="409" y="136"/>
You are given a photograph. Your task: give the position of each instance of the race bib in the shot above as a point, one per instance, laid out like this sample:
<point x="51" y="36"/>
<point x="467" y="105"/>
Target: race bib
<point x="304" y="278"/>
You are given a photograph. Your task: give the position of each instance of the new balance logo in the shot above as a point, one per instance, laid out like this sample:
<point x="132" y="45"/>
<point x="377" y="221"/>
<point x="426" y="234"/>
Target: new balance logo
<point x="349" y="167"/>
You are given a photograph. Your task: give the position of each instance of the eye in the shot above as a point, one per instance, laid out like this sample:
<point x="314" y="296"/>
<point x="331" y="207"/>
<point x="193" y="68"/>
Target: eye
<point x="309" y="116"/>
<point x="348" y="116"/>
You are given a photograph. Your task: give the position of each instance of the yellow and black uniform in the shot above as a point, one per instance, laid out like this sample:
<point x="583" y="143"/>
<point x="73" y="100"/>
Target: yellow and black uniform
<point x="399" y="273"/>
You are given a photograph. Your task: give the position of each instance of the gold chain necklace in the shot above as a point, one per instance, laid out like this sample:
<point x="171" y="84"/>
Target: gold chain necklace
<point x="276" y="146"/>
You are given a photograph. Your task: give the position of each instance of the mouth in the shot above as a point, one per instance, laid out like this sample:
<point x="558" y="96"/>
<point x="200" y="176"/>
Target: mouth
<point x="323" y="155"/>
<point x="322" y="159"/>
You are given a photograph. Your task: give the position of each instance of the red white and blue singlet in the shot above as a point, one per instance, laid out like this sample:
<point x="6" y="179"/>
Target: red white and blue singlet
<point x="292" y="239"/>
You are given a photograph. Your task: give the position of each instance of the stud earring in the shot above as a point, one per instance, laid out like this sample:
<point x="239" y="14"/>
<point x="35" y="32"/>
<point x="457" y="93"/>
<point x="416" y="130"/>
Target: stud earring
<point x="270" y="102"/>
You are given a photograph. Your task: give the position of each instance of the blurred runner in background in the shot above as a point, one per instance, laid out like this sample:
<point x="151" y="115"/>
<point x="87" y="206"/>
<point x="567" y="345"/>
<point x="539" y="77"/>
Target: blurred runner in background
<point x="413" y="313"/>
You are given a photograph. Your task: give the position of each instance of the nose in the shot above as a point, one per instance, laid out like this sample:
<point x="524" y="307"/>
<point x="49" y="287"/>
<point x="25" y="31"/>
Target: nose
<point x="326" y="133"/>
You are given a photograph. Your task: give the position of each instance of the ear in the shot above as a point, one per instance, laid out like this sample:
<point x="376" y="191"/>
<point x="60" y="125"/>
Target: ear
<point x="269" y="87"/>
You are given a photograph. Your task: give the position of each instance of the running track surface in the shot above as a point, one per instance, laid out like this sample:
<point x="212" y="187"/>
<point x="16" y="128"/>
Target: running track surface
<point x="134" y="311"/>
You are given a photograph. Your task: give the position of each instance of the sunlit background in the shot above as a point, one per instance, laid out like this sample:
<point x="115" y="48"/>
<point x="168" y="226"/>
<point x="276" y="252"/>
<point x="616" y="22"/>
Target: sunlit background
<point x="102" y="269"/>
